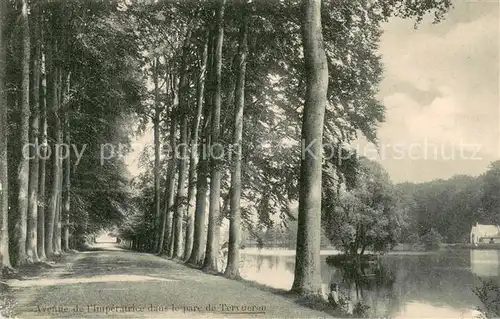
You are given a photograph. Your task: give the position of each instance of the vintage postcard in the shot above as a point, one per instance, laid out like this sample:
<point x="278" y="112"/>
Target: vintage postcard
<point x="249" y="159"/>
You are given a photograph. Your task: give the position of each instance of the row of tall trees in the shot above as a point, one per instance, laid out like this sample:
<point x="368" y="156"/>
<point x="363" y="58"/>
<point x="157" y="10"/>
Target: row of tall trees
<point x="186" y="105"/>
<point x="238" y="77"/>
<point x="241" y="95"/>
<point x="67" y="87"/>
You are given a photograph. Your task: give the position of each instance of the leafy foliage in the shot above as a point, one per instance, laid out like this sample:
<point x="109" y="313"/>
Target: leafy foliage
<point x="451" y="207"/>
<point x="366" y="217"/>
<point x="489" y="295"/>
<point x="431" y="240"/>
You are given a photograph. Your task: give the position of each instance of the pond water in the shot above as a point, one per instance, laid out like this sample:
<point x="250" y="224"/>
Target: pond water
<point x="403" y="285"/>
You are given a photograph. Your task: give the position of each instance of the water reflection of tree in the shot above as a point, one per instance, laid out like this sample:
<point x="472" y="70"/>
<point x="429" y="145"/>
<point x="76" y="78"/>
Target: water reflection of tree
<point x="260" y="261"/>
<point x="369" y="284"/>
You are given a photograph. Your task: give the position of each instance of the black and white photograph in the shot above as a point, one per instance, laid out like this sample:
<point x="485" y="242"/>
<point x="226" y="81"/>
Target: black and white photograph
<point x="250" y="159"/>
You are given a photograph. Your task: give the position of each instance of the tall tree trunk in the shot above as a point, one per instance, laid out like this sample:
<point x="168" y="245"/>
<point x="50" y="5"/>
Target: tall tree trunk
<point x="307" y="262"/>
<point x="57" y="226"/>
<point x="42" y="198"/>
<point x="171" y="196"/>
<point x="199" y="244"/>
<point x="4" y="181"/>
<point x="55" y="178"/>
<point x="233" y="257"/>
<point x="199" y="239"/>
<point x="181" y="200"/>
<point x="156" y="129"/>
<point x="191" y="200"/>
<point x="212" y="251"/>
<point x="169" y="190"/>
<point x="163" y="212"/>
<point x="66" y="204"/>
<point x="193" y="161"/>
<point x="181" y="187"/>
<point x="163" y="221"/>
<point x="32" y="221"/>
<point x="23" y="170"/>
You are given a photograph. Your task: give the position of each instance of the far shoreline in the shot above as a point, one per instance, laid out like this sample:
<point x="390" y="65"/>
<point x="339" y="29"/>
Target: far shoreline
<point x="286" y="252"/>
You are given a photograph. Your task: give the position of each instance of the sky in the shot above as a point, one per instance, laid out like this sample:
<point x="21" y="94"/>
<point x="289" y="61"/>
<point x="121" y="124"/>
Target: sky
<point x="441" y="92"/>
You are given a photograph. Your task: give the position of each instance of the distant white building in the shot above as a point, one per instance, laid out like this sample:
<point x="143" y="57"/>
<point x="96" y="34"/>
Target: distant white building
<point x="484" y="234"/>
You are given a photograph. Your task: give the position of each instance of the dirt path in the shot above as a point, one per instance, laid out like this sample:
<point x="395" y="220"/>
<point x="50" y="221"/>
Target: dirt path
<point x="112" y="283"/>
